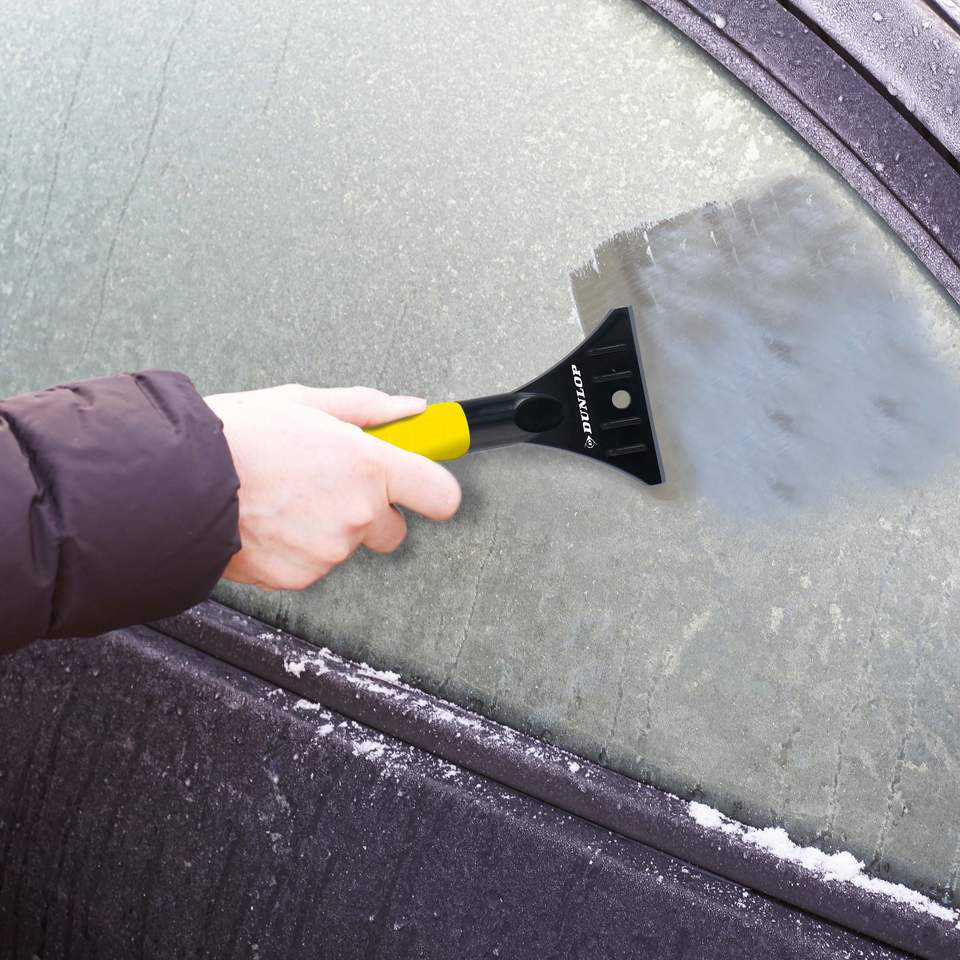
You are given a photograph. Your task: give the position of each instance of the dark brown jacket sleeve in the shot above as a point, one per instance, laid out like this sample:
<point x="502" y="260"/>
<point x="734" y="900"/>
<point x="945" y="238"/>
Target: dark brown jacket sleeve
<point x="118" y="504"/>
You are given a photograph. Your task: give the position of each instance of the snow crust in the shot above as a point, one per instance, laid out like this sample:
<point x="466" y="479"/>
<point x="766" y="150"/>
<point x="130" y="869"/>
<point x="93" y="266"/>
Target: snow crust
<point x="842" y="867"/>
<point x="387" y="675"/>
<point x="369" y="748"/>
<point x="296" y="667"/>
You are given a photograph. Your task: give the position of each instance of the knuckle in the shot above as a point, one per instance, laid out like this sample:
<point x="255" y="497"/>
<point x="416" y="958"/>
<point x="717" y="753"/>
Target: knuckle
<point x="361" y="516"/>
<point x="395" y="533"/>
<point x="387" y="539"/>
<point x="337" y="553"/>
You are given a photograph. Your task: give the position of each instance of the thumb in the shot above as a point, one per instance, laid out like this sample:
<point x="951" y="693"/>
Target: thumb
<point x="362" y="406"/>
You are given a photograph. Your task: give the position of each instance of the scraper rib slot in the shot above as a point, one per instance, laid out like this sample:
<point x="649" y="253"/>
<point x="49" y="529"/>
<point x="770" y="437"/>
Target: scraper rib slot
<point x="623" y="451"/>
<point x="625" y="422"/>
<point x="609" y="348"/>
<point x="607" y="377"/>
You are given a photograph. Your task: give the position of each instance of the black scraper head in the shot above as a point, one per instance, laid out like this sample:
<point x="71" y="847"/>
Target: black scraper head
<point x="593" y="403"/>
<point x="607" y="412"/>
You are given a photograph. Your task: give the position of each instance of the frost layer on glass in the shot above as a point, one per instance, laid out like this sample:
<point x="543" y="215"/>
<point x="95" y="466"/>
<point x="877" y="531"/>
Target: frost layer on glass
<point x="785" y="360"/>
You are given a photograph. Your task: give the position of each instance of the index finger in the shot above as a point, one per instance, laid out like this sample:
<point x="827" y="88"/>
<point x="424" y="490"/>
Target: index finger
<point x="361" y="406"/>
<point x="419" y="484"/>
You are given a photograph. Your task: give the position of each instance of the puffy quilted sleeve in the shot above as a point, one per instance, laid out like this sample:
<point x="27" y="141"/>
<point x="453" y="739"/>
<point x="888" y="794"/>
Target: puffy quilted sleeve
<point x="118" y="504"/>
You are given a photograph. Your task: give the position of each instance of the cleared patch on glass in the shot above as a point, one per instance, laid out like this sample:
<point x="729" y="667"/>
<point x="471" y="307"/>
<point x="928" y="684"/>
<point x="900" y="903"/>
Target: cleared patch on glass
<point x="784" y="360"/>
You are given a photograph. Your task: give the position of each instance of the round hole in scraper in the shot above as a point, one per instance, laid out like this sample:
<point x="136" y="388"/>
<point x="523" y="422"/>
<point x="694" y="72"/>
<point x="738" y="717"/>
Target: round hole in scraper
<point x="622" y="399"/>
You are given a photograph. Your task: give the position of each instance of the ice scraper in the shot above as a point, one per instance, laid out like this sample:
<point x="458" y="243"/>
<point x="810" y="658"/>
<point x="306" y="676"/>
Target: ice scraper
<point x="593" y="403"/>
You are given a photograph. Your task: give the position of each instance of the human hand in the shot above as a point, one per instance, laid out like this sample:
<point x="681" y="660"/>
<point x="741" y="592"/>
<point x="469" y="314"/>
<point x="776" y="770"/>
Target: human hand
<point x="314" y="487"/>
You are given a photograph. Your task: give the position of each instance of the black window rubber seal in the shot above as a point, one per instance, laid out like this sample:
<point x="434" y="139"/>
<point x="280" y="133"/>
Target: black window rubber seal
<point x="862" y="130"/>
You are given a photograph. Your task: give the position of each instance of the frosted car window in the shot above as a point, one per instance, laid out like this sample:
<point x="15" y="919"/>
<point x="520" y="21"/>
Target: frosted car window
<point x="397" y="195"/>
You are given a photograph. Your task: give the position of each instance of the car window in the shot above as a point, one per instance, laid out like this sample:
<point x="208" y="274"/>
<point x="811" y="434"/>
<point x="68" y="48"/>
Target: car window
<point x="429" y="199"/>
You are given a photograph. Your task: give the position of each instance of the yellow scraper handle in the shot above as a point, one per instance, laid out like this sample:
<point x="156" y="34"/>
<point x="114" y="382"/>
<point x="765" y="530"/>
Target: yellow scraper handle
<point x="439" y="433"/>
